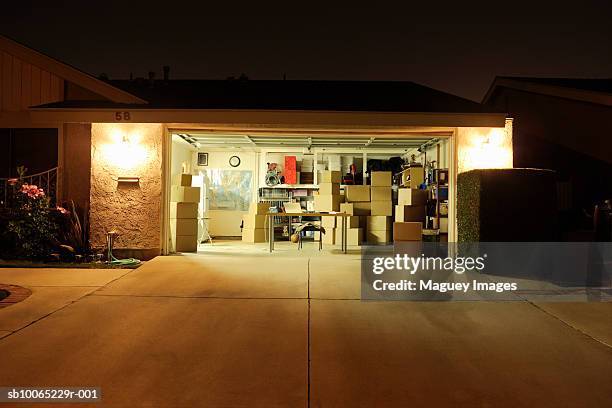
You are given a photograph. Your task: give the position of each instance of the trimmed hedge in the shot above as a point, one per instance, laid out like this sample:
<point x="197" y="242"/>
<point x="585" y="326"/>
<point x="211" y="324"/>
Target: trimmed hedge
<point x="507" y="205"/>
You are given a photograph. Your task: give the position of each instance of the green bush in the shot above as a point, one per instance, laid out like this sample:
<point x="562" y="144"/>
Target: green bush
<point x="503" y="205"/>
<point x="31" y="226"/>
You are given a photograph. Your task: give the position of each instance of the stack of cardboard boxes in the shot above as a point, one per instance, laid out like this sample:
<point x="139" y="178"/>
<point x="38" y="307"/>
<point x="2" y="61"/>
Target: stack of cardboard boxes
<point x="381" y="208"/>
<point x="329" y="197"/>
<point x="184" y="201"/>
<point x="411" y="205"/>
<point x="254" y="223"/>
<point x="410" y="214"/>
<point x="357" y="205"/>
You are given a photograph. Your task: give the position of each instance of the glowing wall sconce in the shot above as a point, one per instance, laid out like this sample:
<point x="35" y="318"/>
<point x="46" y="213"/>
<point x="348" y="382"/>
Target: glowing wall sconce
<point x="124" y="152"/>
<point x="485" y="148"/>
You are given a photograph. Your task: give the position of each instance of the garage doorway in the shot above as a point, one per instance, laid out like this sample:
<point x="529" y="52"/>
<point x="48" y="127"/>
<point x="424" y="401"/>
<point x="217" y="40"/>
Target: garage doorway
<point x="230" y="170"/>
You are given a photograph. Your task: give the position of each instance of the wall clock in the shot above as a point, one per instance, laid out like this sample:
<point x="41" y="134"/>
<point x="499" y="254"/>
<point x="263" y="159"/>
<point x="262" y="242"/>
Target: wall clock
<point x="234" y="161"/>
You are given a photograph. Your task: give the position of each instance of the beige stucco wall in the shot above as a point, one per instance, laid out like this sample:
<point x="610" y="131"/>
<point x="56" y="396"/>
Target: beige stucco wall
<point x="133" y="209"/>
<point x="484" y="147"/>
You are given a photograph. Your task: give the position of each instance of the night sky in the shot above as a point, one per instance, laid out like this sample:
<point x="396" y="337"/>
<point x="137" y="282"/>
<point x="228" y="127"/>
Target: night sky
<point x="452" y="47"/>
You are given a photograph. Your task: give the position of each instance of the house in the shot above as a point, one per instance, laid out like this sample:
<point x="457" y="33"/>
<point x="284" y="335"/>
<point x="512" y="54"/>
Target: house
<point x="562" y="124"/>
<point x="116" y="142"/>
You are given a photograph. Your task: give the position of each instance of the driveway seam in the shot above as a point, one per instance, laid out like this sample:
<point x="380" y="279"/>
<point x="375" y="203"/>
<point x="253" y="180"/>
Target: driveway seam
<point x="568" y="324"/>
<point x="66" y="305"/>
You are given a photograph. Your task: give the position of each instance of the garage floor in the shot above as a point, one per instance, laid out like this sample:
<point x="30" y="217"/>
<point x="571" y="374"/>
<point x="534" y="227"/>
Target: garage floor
<point x="236" y="326"/>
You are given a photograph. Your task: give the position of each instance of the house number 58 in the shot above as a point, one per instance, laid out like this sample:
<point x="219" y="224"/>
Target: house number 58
<point x="122" y="115"/>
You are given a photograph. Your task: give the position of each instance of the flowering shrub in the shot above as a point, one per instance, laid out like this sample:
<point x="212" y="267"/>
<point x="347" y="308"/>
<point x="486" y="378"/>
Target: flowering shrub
<point x="31" y="225"/>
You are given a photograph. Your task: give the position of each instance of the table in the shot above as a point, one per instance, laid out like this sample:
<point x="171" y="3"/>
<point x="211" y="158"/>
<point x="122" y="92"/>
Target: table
<point x="270" y="220"/>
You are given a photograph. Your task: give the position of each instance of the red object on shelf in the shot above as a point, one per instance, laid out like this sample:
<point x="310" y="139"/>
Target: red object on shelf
<point x="290" y="170"/>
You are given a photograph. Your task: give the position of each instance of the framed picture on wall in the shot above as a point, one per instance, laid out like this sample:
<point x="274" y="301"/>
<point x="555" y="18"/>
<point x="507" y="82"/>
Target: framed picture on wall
<point x="202" y="159"/>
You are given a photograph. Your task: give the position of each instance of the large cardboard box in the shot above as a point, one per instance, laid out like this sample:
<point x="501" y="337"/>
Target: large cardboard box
<point x="259" y="208"/>
<point x="378" y="223"/>
<point x="357" y="193"/>
<point x="183" y="180"/>
<point x="183" y="194"/>
<point x="381" y="208"/>
<point x="184" y="226"/>
<point x="253" y="235"/>
<point x="330" y="176"/>
<point x="379" y="237"/>
<point x="183" y="210"/>
<point x="329" y="222"/>
<point x="185" y="243"/>
<point x="380" y="178"/>
<point x="329" y="188"/>
<point x="347" y="208"/>
<point x="252" y="221"/>
<point x="407" y="231"/>
<point x="327" y="202"/>
<point x="410" y="213"/>
<point x="354" y="236"/>
<point x="411" y="196"/>
<point x="329" y="237"/>
<point x="380" y="193"/>
<point x="361" y="208"/>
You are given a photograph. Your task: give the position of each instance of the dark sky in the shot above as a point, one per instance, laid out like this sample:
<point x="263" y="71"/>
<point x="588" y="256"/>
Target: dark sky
<point x="454" y="47"/>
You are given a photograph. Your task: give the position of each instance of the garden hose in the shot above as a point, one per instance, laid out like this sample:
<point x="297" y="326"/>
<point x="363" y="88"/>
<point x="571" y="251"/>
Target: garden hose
<point x="110" y="240"/>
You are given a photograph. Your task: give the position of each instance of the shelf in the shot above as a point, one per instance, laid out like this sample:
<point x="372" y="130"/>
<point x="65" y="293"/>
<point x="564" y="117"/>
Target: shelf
<point x="293" y="186"/>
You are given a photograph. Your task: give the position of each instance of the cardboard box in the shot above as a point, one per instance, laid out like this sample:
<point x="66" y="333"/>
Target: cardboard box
<point x="183" y="194"/>
<point x="407" y="231"/>
<point x="259" y="208"/>
<point x="380" y="193"/>
<point x="362" y="208"/>
<point x="347" y="208"/>
<point x="183" y="180"/>
<point x="329" y="222"/>
<point x="186" y="243"/>
<point x="410" y="213"/>
<point x="357" y="193"/>
<point x="379" y="237"/>
<point x="252" y="221"/>
<point x="329" y="188"/>
<point x="378" y="223"/>
<point x="381" y="208"/>
<point x="183" y="210"/>
<point x="411" y="196"/>
<point x="184" y="226"/>
<point x="413" y="177"/>
<point x="329" y="238"/>
<point x="327" y="203"/>
<point x="380" y="178"/>
<point x="354" y="236"/>
<point x="253" y="235"/>
<point x="330" y="176"/>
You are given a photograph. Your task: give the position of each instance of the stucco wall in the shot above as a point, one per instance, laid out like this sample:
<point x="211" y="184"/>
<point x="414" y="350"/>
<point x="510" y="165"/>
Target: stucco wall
<point x="133" y="209"/>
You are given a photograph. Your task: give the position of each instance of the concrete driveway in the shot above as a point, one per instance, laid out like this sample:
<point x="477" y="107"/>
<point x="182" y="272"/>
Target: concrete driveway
<point x="254" y="329"/>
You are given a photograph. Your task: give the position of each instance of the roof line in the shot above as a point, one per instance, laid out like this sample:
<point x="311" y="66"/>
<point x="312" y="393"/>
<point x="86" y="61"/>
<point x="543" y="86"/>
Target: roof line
<point x="524" y="84"/>
<point x="68" y="72"/>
